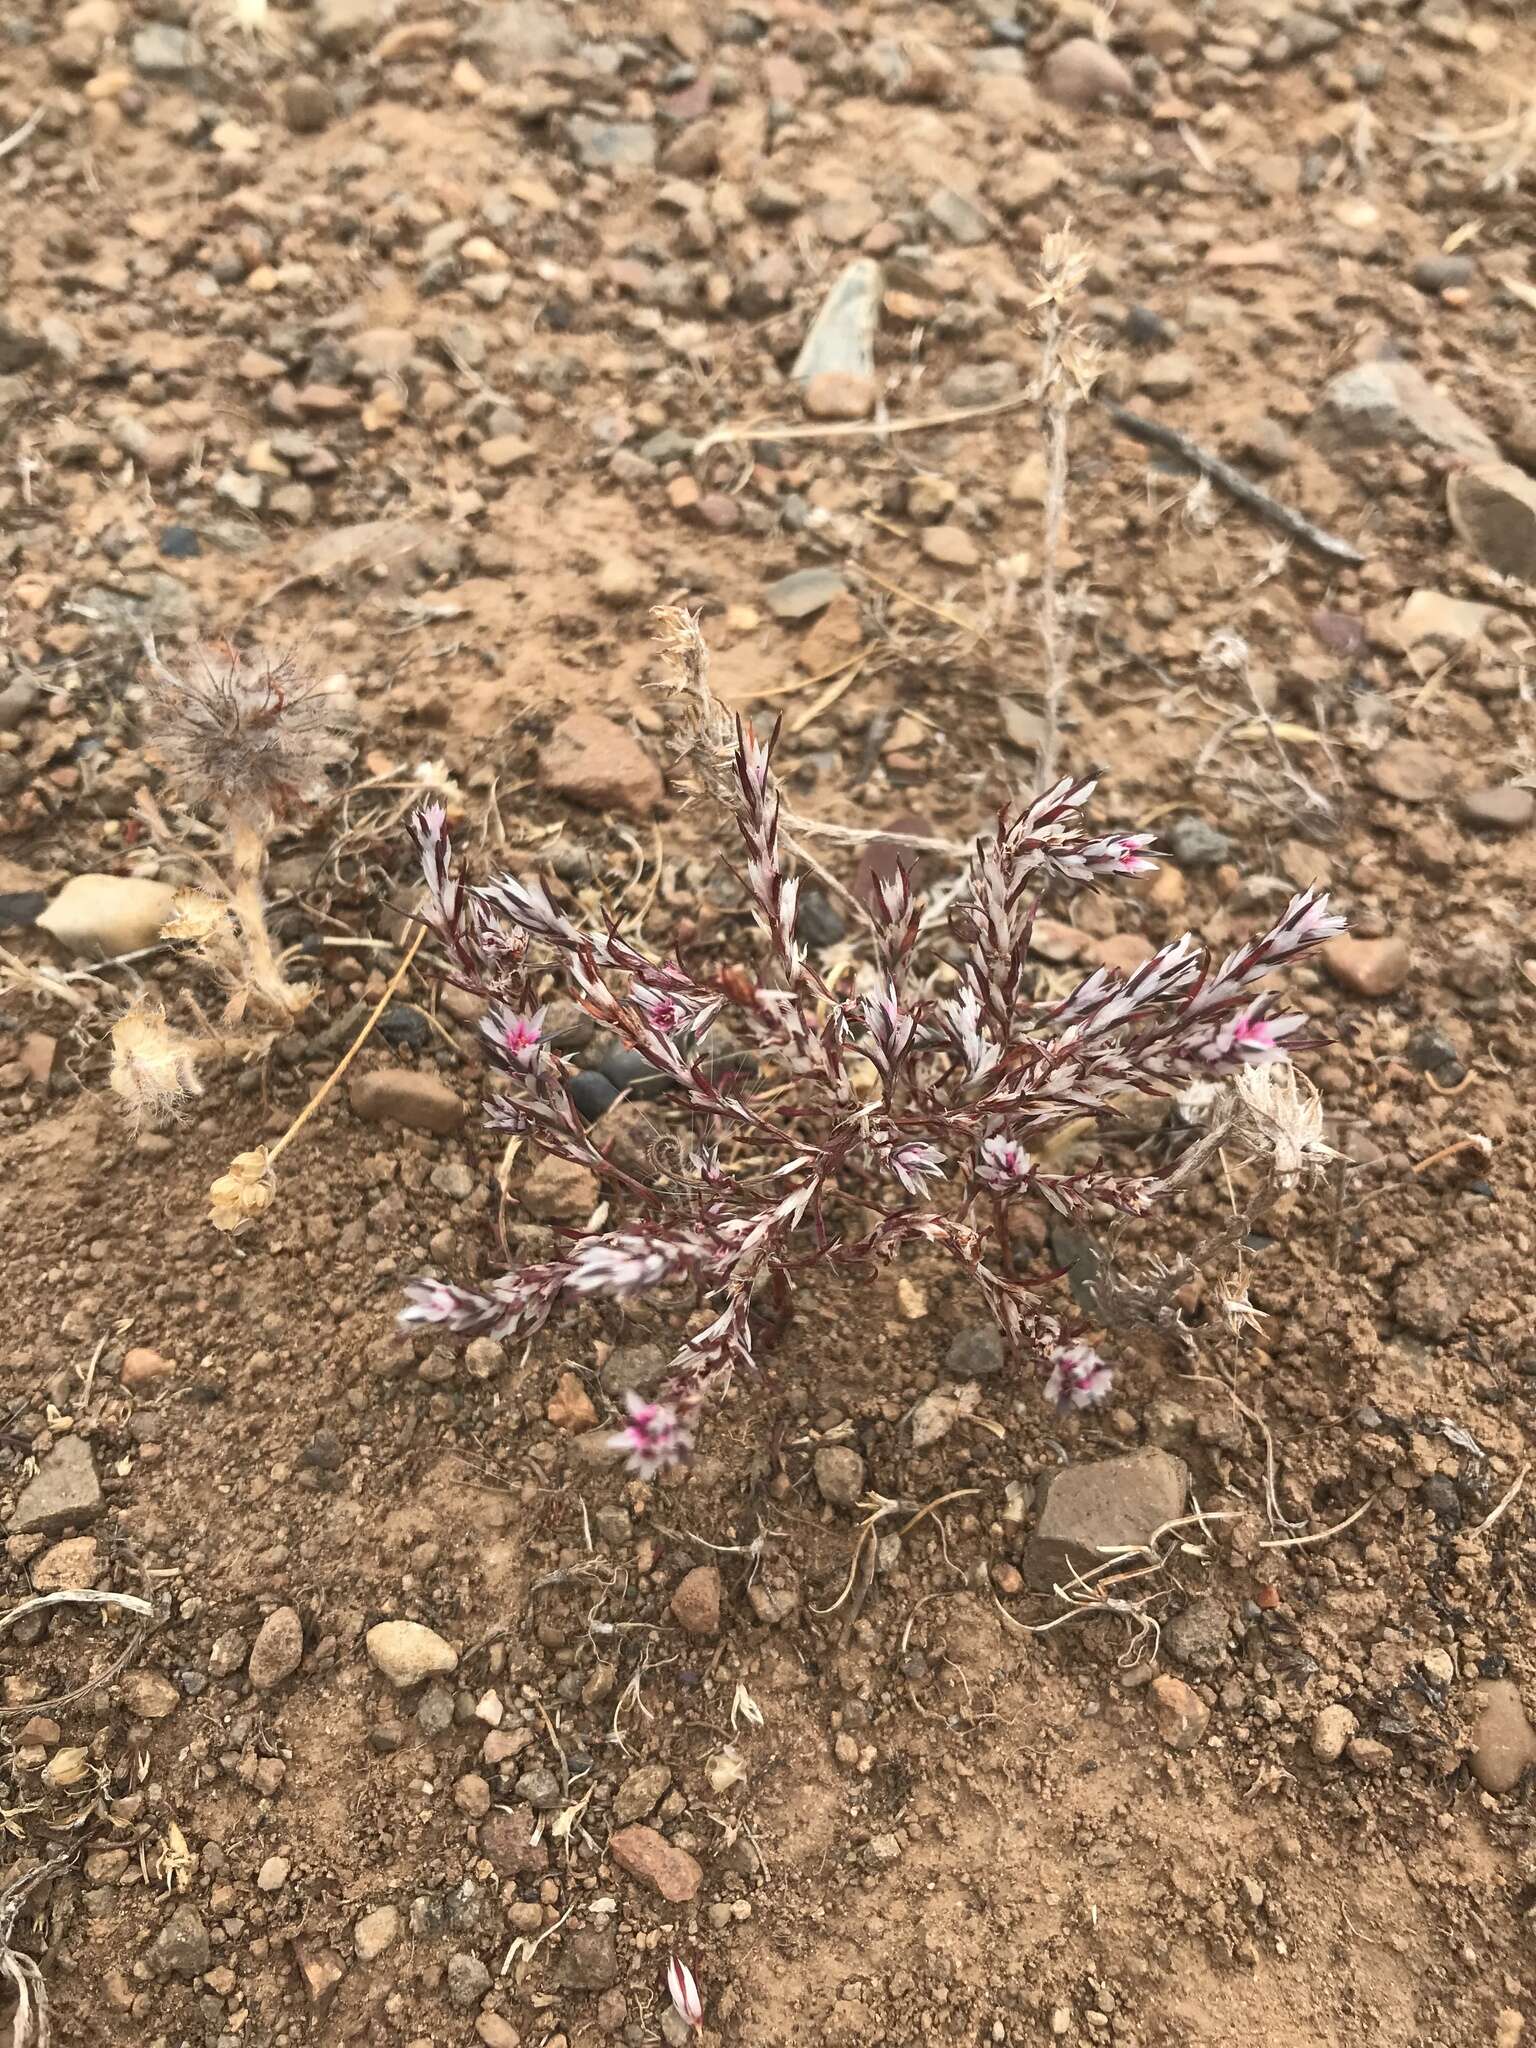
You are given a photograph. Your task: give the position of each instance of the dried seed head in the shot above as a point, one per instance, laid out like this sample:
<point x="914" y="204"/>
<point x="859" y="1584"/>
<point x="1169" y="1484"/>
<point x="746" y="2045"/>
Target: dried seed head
<point x="67" y="1767"/>
<point x="242" y="1194"/>
<point x="154" y="1066"/>
<point x="248" y="735"/>
<point x="1281" y="1116"/>
<point x="685" y="1993"/>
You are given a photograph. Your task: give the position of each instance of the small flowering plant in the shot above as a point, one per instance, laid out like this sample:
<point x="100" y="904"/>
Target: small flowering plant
<point x="910" y="1102"/>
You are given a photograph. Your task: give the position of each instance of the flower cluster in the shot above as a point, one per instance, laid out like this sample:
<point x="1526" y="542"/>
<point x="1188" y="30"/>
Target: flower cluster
<point x="907" y="1102"/>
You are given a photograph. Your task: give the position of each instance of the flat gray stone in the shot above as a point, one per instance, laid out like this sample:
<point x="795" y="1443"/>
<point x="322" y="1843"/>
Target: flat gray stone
<point x="842" y="336"/>
<point x="64" y="1492"/>
<point x="806" y="591"/>
<point x="613" y="145"/>
<point x="1086" y="1508"/>
<point x="1379" y="405"/>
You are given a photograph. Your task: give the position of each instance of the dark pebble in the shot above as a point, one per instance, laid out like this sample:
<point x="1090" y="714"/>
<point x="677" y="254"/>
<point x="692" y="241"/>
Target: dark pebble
<point x="592" y="1094"/>
<point x="1443" y="1501"/>
<point x="1431" y="1051"/>
<point x="633" y="1071"/>
<point x="403" y="1025"/>
<point x="20" y="908"/>
<point x="1194" y="843"/>
<point x="1443" y="273"/>
<point x="180" y="544"/>
<point x="821" y="923"/>
<point x="1143" y="328"/>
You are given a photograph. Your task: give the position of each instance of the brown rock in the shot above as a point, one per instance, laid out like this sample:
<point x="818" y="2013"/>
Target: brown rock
<point x="68" y="1567"/>
<point x="506" y="1840"/>
<point x="321" y="1970"/>
<point x="1376" y="405"/>
<point x="149" y="1695"/>
<point x="472" y="1795"/>
<point x="308" y="105"/>
<point x="1503" y="1746"/>
<point x="695" y="1606"/>
<point x="571" y="1408"/>
<point x="1181" y="1714"/>
<point x="951" y="546"/>
<point x="506" y="452"/>
<point x="63" y="1493"/>
<point x="1410" y="771"/>
<point x="1506" y="808"/>
<point x="1123" y="952"/>
<point x="1082" y="73"/>
<point x="597" y="763"/>
<point x="649" y="1856"/>
<point x="1117" y="1501"/>
<point x="401" y="1095"/>
<point x="1493" y="509"/>
<point x="278" y="1649"/>
<point x="1368" y="967"/>
<point x="839" y="395"/>
<point x="559" y="1191"/>
<point x="145" y="1368"/>
<point x="1367" y="1755"/>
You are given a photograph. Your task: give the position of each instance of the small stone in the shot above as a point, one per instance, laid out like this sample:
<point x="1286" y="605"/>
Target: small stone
<point x="842" y="336"/>
<point x="309" y="105"/>
<point x="63" y="1493"/>
<point x="613" y="145"/>
<point x="589" y="1958"/>
<point x="1195" y="843"/>
<point x="506" y="1841"/>
<point x="340" y="25"/>
<point x="774" y="1598"/>
<point x="839" y="1475"/>
<point x="1506" y="808"/>
<point x="600" y="765"/>
<point x="278" y="1649"/>
<point x="1410" y="771"/>
<point x="143" y="1369"/>
<point x="1493" y="509"/>
<point x="1375" y="405"/>
<point x="1368" y="967"/>
<point x="641" y="1793"/>
<point x="375" y="1933"/>
<point x="650" y="1857"/>
<point x="959" y="216"/>
<point x="1332" y="1730"/>
<point x="1180" y="1713"/>
<point x="803" y="593"/>
<point x="541" y="1788"/>
<point x="1503" y="1745"/>
<point x="104" y="915"/>
<point x="401" y="1095"/>
<point x="406" y="1652"/>
<point x="1368" y="1756"/>
<point x="976" y="1353"/>
<point x="468" y="1980"/>
<point x="559" y="1191"/>
<point x="1169" y="375"/>
<point x="695" y="1606"/>
<point x="495" y="2032"/>
<point x="161" y="51"/>
<point x="1082" y="73"/>
<point x="1435" y="274"/>
<point x="273" y="1874"/>
<point x="571" y="1407"/>
<point x="472" y="1795"/>
<point x="182" y="1946"/>
<point x="149" y="1695"/>
<point x="839" y="395"/>
<point x="951" y="546"/>
<point x="72" y="1566"/>
<point x="1200" y="1636"/>
<point x="621" y="580"/>
<point x="504" y="453"/>
<point x="1086" y="1507"/>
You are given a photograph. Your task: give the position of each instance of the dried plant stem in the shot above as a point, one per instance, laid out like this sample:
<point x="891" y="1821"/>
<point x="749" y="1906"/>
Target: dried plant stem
<point x="248" y="855"/>
<point x="352" y="1050"/>
<point x="43" y="984"/>
<point x="1053" y="649"/>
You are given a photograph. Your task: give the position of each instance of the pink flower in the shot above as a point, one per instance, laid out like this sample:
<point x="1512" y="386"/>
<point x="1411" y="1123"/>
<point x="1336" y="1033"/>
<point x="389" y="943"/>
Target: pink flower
<point x="685" y="1993"/>
<point x="1003" y="1164"/>
<point x="516" y="1038"/>
<point x="1079" y="1378"/>
<point x="653" y="1439"/>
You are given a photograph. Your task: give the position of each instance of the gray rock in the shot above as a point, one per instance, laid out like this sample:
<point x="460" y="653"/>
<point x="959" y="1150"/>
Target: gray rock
<point x="641" y="1792"/>
<point x="1379" y="405"/>
<point x="160" y="51"/>
<point x="540" y="1787"/>
<point x="64" y="1492"/>
<point x="1089" y="1508"/>
<point x="278" y="1649"/>
<point x="980" y="384"/>
<point x="589" y="1959"/>
<point x="348" y="24"/>
<point x="468" y="1981"/>
<point x="1201" y="1635"/>
<point x="960" y="217"/>
<point x="839" y="1475"/>
<point x="1443" y="273"/>
<point x="182" y="1947"/>
<point x="157" y="603"/>
<point x="1306" y="34"/>
<point x="803" y="593"/>
<point x="976" y="1353"/>
<point x="1195" y="844"/>
<point x="19" y="350"/>
<point x="510" y="41"/>
<point x="631" y="1368"/>
<point x="1493" y="509"/>
<point x="613" y="145"/>
<point x="842" y="336"/>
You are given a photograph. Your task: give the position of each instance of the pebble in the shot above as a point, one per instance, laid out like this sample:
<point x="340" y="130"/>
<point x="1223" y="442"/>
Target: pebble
<point x="841" y="339"/>
<point x="468" y="1980"/>
<point x="650" y="1857"/>
<point x="589" y="1958"/>
<point x="417" y="1101"/>
<point x="1195" y="843"/>
<point x="68" y="1567"/>
<point x="641" y="1793"/>
<point x="559" y="1191"/>
<point x="613" y="145"/>
<point x="839" y="1475"/>
<point x="1443" y="273"/>
<point x="1332" y="1729"/>
<point x="959" y="216"/>
<point x="621" y="580"/>
<point x="1410" y="771"/>
<point x="1082" y="73"/>
<point x="839" y="395"/>
<point x="1506" y="807"/>
<point x="182" y="1946"/>
<point x="495" y="2032"/>
<point x="1503" y="1745"/>
<point x="803" y="593"/>
<point x="1493" y="510"/>
<point x="472" y="1795"/>
<point x="273" y="1874"/>
<point x="1375" y="405"/>
<point x="1181" y="1715"/>
<point x="64" y="1492"/>
<point x="144" y="1368"/>
<point x="376" y="1932"/>
<point x="406" y="1652"/>
<point x="278" y="1649"/>
<point x="309" y="105"/>
<point x="1114" y="1501"/>
<point x="103" y="915"/>
<point x="149" y="1695"/>
<point x="1368" y="967"/>
<point x="600" y="765"/>
<point x="340" y="25"/>
<point x="976" y="1353"/>
<point x="506" y="1841"/>
<point x="1169" y="375"/>
<point x="695" y="1606"/>
<point x="951" y="546"/>
<point x="161" y="51"/>
<point x="570" y="1407"/>
<point x="1367" y="1755"/>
